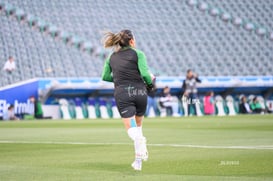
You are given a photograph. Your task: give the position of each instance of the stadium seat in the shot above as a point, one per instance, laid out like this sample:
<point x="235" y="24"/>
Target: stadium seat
<point x="203" y="6"/>
<point x="42" y="25"/>
<point x="64" y="107"/>
<point x="78" y="108"/>
<point x="237" y="21"/>
<point x="250" y="98"/>
<point x="76" y="41"/>
<point x="249" y="26"/>
<point x="87" y="46"/>
<point x="230" y="105"/>
<point x="269" y="106"/>
<point x="103" y="109"/>
<point x="65" y="36"/>
<point x="53" y="31"/>
<point x="262" y="102"/>
<point x="226" y="17"/>
<point x="193" y="2"/>
<point x="261" y="31"/>
<point x="9" y="9"/>
<point x="20" y="14"/>
<point x="31" y="20"/>
<point x="198" y="109"/>
<point x="194" y="31"/>
<point x="91" y="108"/>
<point x="115" y="109"/>
<point x="219" y="105"/>
<point x="215" y="11"/>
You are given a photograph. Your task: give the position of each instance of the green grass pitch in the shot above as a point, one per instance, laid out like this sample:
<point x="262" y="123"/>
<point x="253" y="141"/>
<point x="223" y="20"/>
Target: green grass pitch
<point x="186" y="148"/>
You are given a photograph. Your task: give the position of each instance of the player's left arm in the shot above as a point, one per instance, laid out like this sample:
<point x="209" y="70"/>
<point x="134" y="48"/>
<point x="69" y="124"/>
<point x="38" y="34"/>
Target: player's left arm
<point x="107" y="71"/>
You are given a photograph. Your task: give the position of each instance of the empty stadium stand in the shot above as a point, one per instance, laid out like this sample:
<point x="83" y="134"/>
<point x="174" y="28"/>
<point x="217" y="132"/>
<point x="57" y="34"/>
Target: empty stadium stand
<point x="258" y="12"/>
<point x="214" y="38"/>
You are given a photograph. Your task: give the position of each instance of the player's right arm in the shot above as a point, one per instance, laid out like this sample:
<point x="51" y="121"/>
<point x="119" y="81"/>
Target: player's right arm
<point x="107" y="71"/>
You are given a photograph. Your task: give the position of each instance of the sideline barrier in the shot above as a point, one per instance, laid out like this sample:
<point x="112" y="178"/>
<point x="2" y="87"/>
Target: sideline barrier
<point x="49" y="90"/>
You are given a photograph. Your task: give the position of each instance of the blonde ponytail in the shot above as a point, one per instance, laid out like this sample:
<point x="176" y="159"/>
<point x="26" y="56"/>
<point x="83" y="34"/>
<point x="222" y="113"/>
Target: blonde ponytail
<point x="111" y="40"/>
<point x="117" y="40"/>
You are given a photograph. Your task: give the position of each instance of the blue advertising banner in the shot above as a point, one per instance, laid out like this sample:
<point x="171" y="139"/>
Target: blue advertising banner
<point x="18" y="96"/>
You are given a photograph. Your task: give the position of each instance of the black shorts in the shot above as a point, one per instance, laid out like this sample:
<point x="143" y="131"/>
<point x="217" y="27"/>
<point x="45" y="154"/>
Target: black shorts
<point x="131" y="100"/>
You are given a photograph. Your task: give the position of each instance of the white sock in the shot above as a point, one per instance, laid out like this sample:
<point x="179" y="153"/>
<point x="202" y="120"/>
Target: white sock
<point x="139" y="128"/>
<point x="133" y="133"/>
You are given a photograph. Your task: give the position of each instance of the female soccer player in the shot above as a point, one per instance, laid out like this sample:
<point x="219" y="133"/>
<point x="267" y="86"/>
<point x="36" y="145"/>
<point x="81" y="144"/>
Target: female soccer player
<point x="127" y="68"/>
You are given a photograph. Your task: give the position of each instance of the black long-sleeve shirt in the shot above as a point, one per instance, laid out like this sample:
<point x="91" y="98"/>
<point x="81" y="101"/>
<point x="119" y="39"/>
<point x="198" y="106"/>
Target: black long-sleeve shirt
<point x="127" y="66"/>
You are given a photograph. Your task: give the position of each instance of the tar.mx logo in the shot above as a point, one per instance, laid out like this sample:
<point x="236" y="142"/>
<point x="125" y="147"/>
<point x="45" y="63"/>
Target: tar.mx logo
<point x="133" y="91"/>
<point x="190" y="101"/>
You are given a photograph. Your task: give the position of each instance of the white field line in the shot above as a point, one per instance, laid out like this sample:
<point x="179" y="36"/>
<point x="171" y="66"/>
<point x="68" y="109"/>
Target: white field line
<point x="258" y="147"/>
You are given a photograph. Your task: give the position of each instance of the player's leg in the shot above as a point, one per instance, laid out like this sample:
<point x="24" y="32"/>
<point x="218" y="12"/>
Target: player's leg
<point x="141" y="103"/>
<point x="129" y="120"/>
<point x="189" y="106"/>
<point x="194" y="101"/>
<point x="139" y="120"/>
<point x="133" y="132"/>
<point x="127" y="111"/>
<point x="142" y="139"/>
